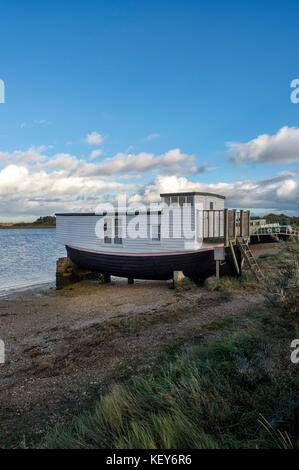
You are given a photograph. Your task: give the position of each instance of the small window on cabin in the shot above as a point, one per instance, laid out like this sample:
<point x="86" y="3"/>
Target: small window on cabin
<point x="181" y="200"/>
<point x="190" y="200"/>
<point x="174" y="200"/>
<point x="117" y="233"/>
<point x="107" y="231"/>
<point x="167" y="201"/>
<point x="211" y="206"/>
<point x="156" y="233"/>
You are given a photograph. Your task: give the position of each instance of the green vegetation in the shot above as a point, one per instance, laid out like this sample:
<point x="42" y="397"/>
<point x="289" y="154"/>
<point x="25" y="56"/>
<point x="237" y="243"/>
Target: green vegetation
<point x="223" y="324"/>
<point x="231" y="284"/>
<point x="282" y="219"/>
<point x="207" y="397"/>
<point x="42" y="222"/>
<point x="282" y="289"/>
<point x="48" y="220"/>
<point x="236" y="391"/>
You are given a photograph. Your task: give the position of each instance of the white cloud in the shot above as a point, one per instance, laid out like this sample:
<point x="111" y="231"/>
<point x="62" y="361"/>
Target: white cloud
<point x="280" y="193"/>
<point x="94" y="138"/>
<point x="171" y="162"/>
<point x="280" y="148"/>
<point x="27" y="192"/>
<point x="32" y="183"/>
<point x="95" y="154"/>
<point x="33" y="154"/>
<point x="36" y="122"/>
<point x="152" y="137"/>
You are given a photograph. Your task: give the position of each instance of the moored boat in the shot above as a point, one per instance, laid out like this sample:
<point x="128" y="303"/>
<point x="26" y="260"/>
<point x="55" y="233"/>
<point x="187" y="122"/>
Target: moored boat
<point x="179" y="235"/>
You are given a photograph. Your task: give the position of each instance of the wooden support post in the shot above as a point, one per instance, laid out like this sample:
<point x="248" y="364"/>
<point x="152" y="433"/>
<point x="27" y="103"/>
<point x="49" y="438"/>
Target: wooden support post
<point x="217" y="269"/>
<point x="226" y="227"/>
<point x="235" y="223"/>
<point x="248" y="220"/>
<point x="234" y="257"/>
<point x="106" y="278"/>
<point x="241" y="223"/>
<point x="130" y="280"/>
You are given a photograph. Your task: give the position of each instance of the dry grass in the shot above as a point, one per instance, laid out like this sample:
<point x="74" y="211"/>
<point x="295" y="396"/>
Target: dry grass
<point x="237" y="392"/>
<point x="206" y="397"/>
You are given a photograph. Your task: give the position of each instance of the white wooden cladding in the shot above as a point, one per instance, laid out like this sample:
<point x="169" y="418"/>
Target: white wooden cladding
<point x="175" y="234"/>
<point x="80" y="231"/>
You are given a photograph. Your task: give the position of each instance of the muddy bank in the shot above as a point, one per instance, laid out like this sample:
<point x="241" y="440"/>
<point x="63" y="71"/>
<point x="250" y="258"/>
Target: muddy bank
<point x="60" y="345"/>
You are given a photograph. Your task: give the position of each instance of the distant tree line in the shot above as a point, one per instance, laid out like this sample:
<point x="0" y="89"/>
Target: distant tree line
<point x="47" y="220"/>
<point x="282" y="219"/>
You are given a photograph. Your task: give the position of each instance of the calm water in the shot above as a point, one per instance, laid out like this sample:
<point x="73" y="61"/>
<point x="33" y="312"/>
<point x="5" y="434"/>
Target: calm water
<point x="28" y="257"/>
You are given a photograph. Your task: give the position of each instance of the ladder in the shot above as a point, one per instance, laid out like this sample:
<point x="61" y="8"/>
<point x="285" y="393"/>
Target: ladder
<point x="249" y="258"/>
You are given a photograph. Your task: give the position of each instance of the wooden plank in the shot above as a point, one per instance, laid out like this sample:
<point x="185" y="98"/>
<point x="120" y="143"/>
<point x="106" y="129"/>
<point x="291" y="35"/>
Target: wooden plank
<point x="234" y="257"/>
<point x="226" y="226"/>
<point x="217" y="269"/>
<point x="241" y="223"/>
<point x="235" y="222"/>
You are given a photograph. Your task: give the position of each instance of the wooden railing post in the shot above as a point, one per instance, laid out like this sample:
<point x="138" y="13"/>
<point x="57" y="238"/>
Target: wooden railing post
<point x="226" y="226"/>
<point x="248" y="215"/>
<point x="235" y="222"/>
<point x="241" y="223"/>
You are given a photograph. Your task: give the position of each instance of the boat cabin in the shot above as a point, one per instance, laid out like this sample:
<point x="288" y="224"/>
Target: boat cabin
<point x="181" y="222"/>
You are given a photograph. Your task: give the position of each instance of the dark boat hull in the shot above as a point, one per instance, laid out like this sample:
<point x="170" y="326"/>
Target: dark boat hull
<point x="156" y="266"/>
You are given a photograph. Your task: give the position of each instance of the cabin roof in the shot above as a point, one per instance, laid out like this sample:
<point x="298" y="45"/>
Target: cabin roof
<point x="192" y="193"/>
<point x="104" y="213"/>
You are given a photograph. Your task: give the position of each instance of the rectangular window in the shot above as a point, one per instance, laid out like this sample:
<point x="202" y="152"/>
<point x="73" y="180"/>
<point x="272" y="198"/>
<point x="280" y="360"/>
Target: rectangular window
<point x="181" y="200"/>
<point x="174" y="200"/>
<point x="156" y="233"/>
<point x="107" y="231"/>
<point x="211" y="206"/>
<point x="110" y="236"/>
<point x="167" y="201"/>
<point x="117" y="233"/>
<point x="190" y="200"/>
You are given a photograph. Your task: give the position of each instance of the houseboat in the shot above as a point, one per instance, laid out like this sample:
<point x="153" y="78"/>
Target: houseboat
<point x="180" y="234"/>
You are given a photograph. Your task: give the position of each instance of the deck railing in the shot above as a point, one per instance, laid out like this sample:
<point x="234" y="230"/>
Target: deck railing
<point x="226" y="224"/>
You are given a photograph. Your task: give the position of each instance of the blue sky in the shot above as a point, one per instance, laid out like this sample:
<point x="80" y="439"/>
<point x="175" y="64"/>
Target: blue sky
<point x="148" y="77"/>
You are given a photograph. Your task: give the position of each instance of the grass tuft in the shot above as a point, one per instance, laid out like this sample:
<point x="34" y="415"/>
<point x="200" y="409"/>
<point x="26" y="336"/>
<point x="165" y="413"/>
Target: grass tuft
<point x="239" y="391"/>
<point x="206" y="397"/>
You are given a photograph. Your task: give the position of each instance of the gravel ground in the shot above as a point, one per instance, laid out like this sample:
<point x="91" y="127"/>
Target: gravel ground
<point x="60" y="344"/>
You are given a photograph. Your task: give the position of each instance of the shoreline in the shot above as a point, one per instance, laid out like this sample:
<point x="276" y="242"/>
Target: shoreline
<point x="17" y="227"/>
<point x="30" y="290"/>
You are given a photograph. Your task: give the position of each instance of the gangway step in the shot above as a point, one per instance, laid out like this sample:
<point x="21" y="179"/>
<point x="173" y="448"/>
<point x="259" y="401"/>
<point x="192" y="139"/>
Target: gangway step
<point x="250" y="259"/>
